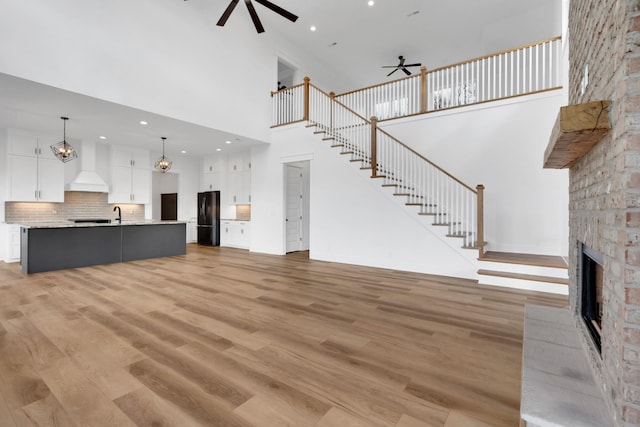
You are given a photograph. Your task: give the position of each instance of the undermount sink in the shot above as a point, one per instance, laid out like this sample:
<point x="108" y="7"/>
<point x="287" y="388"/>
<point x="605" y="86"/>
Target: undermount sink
<point x="91" y="220"/>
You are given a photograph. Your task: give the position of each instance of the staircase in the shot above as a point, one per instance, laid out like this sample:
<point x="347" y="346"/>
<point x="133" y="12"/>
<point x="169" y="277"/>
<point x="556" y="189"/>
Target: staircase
<point x="416" y="199"/>
<point x="447" y="206"/>
<point x="522" y="271"/>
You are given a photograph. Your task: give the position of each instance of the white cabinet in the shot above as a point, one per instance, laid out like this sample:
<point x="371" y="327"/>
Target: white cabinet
<point x="192" y="232"/>
<point x="12" y="234"/>
<point x="239" y="180"/>
<point x="236" y="234"/>
<point x="212" y="173"/>
<point x="212" y="181"/>
<point x="130" y="176"/>
<point x="34" y="173"/>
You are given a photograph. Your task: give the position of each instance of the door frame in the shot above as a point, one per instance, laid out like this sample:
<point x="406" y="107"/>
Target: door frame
<point x="303" y="162"/>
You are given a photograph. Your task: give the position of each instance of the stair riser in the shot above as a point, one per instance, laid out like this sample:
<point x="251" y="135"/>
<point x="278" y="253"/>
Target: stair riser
<point x="528" y="285"/>
<point x="534" y="270"/>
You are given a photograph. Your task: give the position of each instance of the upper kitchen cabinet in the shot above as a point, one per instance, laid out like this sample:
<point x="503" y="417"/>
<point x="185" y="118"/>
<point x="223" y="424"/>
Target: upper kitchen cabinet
<point x="214" y="168"/>
<point x="131" y="158"/>
<point x="130" y="176"/>
<point x="239" y="179"/>
<point x="34" y="173"/>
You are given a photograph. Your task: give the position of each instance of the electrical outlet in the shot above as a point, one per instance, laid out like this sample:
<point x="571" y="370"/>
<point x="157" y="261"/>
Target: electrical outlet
<point x="585" y="80"/>
<point x="54" y="211"/>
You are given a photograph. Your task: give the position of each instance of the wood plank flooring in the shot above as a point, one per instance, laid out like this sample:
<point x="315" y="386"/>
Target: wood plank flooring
<point x="223" y="337"/>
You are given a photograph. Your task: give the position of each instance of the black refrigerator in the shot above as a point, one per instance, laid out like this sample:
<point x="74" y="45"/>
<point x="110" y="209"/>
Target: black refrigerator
<point x="209" y="218"/>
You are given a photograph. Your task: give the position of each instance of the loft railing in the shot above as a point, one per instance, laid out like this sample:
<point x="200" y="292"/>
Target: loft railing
<point x="520" y="71"/>
<point x="435" y="191"/>
<point x="288" y="105"/>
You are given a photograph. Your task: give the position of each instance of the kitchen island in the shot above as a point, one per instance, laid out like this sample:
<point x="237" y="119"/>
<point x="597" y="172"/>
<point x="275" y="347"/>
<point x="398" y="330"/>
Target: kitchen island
<point x="56" y="246"/>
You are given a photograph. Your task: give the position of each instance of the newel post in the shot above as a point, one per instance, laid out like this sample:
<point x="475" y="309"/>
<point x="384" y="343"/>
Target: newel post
<point x="306" y="98"/>
<point x="374" y="144"/>
<point x="480" y="231"/>
<point x="423" y="89"/>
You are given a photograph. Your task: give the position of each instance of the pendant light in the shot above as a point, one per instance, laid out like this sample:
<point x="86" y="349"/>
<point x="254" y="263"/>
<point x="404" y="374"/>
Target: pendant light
<point x="163" y="164"/>
<point x="63" y="150"/>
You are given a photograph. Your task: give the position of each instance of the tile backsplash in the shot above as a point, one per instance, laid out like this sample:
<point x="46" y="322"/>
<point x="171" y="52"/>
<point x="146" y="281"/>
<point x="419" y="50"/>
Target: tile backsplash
<point x="243" y="212"/>
<point x="77" y="204"/>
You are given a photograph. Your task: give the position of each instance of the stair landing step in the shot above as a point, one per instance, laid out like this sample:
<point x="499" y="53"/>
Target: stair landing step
<point x="526" y="259"/>
<point x="547" y="279"/>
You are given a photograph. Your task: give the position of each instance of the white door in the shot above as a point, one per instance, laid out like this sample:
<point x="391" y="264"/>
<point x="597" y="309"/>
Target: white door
<point x="294" y="220"/>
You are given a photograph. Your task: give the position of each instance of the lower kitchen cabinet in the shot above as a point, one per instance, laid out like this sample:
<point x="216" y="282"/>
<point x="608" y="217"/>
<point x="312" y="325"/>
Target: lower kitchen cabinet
<point x="192" y="232"/>
<point x="235" y="234"/>
<point x="12" y="236"/>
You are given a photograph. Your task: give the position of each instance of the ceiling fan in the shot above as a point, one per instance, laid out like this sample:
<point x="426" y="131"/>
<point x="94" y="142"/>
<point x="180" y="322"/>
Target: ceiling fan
<point x="254" y="16"/>
<point x="401" y="66"/>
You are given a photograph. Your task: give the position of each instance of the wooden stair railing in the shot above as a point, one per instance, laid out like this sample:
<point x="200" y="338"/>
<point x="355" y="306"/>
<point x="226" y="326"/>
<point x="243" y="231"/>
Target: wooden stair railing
<point x="426" y="185"/>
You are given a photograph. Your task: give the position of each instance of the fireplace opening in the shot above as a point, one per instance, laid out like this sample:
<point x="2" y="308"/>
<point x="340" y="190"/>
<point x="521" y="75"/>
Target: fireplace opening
<point x="591" y="285"/>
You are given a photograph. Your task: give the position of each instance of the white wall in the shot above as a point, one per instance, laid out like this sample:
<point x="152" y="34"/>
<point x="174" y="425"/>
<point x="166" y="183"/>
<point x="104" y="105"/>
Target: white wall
<point x="537" y="23"/>
<point x="501" y="145"/>
<point x="163" y="183"/>
<point x="188" y="180"/>
<point x="351" y="219"/>
<point x="163" y="56"/>
<point x="4" y="179"/>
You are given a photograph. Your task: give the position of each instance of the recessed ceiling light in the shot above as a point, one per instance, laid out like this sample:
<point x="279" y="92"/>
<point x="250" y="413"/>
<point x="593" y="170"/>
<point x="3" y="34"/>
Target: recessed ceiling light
<point x="143" y="123"/>
<point x="102" y="137"/>
<point x="218" y="149"/>
<point x="371" y="3"/>
<point x="184" y="151"/>
<point x="227" y="142"/>
<point x="313" y="28"/>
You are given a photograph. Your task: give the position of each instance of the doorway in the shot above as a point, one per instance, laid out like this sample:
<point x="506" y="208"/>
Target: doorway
<point x="163" y="183"/>
<point x="169" y="206"/>
<point x="297" y="190"/>
<point x="287" y="75"/>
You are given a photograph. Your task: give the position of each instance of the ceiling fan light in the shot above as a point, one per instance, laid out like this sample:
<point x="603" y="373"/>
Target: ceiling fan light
<point x="63" y="150"/>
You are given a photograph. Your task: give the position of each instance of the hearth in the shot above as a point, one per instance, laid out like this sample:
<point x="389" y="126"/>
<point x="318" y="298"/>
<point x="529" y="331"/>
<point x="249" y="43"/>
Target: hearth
<point x="590" y="282"/>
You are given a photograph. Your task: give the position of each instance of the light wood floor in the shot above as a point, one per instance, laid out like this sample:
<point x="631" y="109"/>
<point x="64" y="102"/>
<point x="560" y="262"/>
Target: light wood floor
<point x="222" y="337"/>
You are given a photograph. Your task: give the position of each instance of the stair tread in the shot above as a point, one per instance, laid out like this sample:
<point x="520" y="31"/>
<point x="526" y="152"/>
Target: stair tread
<point x="526" y="259"/>
<point x="533" y="277"/>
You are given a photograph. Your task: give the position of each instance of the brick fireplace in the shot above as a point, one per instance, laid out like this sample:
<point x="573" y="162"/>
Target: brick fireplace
<point x="605" y="195"/>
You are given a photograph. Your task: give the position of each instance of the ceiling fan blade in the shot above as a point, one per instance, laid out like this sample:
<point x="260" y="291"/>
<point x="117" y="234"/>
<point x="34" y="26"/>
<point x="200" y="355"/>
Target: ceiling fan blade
<point x="407" y="72"/>
<point x="392" y="72"/>
<point x="277" y="9"/>
<point x="413" y="65"/>
<point x="227" y="13"/>
<point x="389" y="66"/>
<point x="254" y="16"/>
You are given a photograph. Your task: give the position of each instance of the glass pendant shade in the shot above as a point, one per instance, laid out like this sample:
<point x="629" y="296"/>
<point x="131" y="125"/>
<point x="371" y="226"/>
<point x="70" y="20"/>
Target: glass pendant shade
<point x="163" y="164"/>
<point x="63" y="150"/>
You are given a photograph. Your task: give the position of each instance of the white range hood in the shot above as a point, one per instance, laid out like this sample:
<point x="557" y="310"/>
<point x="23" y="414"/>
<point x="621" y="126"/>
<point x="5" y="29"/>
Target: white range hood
<point x="88" y="179"/>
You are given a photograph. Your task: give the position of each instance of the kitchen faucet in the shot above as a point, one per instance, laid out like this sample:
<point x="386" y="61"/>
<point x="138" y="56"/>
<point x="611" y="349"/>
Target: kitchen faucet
<point x="119" y="213"/>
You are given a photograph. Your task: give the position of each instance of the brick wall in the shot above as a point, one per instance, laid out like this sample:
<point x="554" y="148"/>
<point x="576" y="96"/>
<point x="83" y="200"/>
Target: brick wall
<point x="76" y="205"/>
<point x="604" y="210"/>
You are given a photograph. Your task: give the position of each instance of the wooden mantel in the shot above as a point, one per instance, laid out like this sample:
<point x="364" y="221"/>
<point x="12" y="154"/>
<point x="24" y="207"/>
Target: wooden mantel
<point x="578" y="128"/>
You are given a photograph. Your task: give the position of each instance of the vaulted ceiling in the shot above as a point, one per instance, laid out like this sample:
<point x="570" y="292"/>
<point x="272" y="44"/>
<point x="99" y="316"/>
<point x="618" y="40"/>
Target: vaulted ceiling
<point x="351" y="38"/>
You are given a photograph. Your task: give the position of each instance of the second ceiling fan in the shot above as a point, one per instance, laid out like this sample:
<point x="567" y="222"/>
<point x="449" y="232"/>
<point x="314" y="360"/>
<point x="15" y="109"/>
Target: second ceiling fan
<point x="254" y="16"/>
<point x="401" y="66"/>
